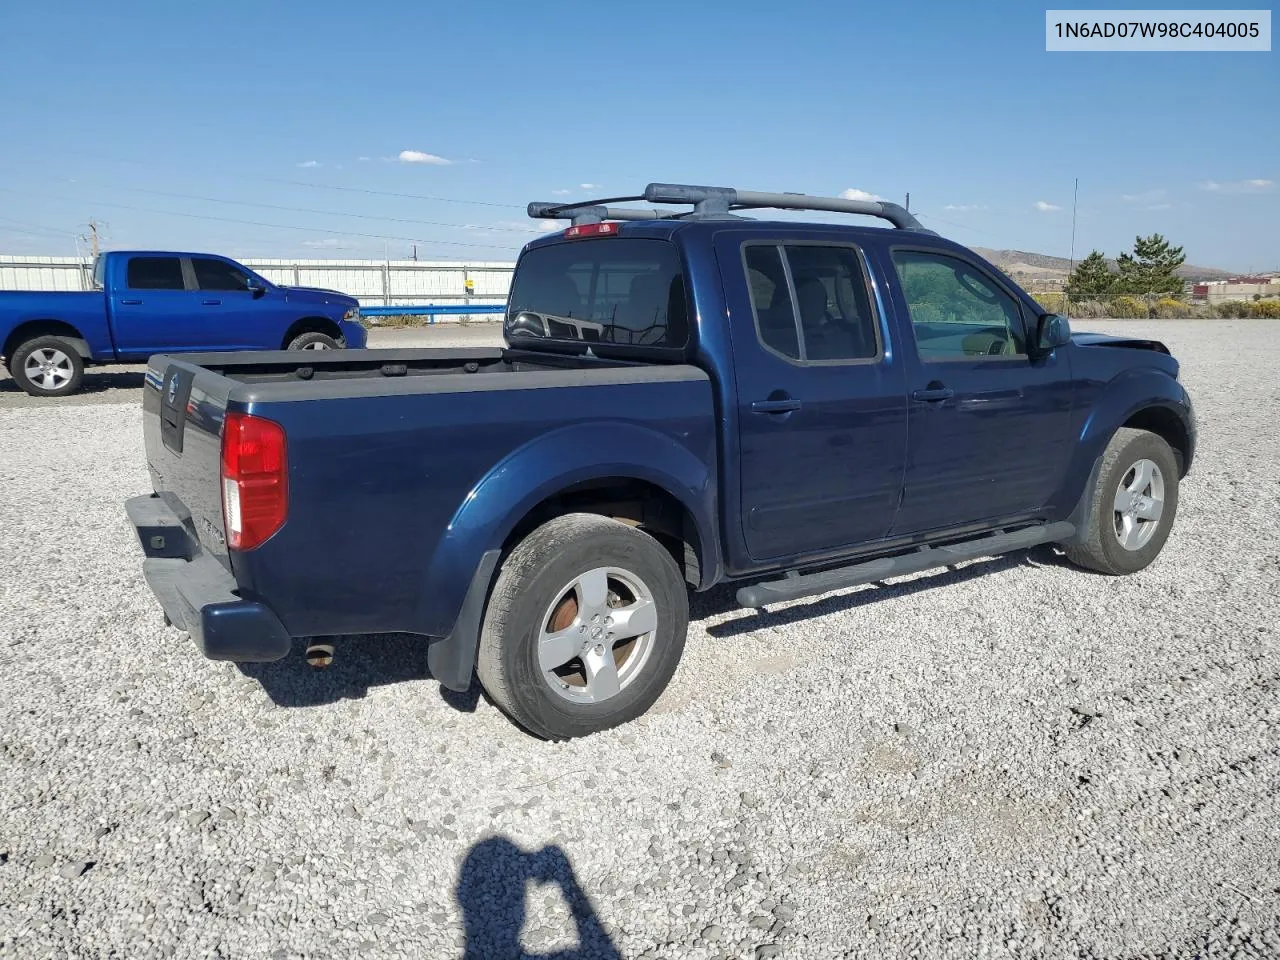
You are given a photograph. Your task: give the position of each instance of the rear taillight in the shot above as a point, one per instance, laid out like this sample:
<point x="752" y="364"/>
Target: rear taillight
<point x="608" y="228"/>
<point x="255" y="479"/>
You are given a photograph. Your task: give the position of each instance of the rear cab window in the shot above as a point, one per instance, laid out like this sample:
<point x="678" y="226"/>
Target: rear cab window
<point x="614" y="292"/>
<point x="155" y="273"/>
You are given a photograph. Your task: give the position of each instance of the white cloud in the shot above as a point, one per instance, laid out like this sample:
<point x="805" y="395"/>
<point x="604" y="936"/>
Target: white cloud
<point x="964" y="207"/>
<point x="1160" y="206"/>
<point x="853" y="193"/>
<point x="363" y="159"/>
<point x="1044" y="207"/>
<point x="549" y="226"/>
<point x="589" y="186"/>
<point x="417" y="156"/>
<point x="1145" y="196"/>
<point x="1257" y="185"/>
<point x="561" y="193"/>
<point x="309" y="164"/>
<point x="329" y="243"/>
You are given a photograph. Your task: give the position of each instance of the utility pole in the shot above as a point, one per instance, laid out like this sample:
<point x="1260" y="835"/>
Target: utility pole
<point x="908" y="201"/>
<point x="93" y="236"/>
<point x="415" y="253"/>
<point x="1074" y="197"/>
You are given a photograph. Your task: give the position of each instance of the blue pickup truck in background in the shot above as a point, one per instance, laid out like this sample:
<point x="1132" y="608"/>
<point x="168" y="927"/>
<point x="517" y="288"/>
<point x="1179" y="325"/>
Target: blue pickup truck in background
<point x="157" y="302"/>
<point x="683" y="401"/>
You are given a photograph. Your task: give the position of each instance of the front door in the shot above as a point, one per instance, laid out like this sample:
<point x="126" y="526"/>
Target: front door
<point x="231" y="317"/>
<point x="989" y="426"/>
<point x="822" y="419"/>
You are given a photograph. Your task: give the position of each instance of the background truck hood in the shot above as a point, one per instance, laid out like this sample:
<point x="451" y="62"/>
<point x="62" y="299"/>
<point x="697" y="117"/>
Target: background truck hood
<point x="318" y="295"/>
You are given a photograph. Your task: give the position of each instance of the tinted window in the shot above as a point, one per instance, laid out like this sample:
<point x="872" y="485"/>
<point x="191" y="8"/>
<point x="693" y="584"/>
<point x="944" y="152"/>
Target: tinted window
<point x="155" y="273"/>
<point x="610" y="290"/>
<point x="957" y="312"/>
<point x="830" y="299"/>
<point x="218" y="275"/>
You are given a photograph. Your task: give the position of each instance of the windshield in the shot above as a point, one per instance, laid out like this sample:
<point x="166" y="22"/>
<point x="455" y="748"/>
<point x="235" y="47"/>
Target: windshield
<point x="609" y="291"/>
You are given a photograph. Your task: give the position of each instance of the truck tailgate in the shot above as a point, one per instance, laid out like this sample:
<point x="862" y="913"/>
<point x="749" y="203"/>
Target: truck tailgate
<point x="183" y="406"/>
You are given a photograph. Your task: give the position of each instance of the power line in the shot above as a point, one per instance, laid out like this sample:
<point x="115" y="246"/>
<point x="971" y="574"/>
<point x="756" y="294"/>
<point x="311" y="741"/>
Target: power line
<point x="324" y="213"/>
<point x="274" y="226"/>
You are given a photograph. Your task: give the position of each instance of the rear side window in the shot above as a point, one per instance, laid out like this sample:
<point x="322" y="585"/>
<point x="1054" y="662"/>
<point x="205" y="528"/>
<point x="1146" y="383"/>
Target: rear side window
<point x="811" y="302"/>
<point x="155" y="273"/>
<point x="218" y="275"/>
<point x="611" y="290"/>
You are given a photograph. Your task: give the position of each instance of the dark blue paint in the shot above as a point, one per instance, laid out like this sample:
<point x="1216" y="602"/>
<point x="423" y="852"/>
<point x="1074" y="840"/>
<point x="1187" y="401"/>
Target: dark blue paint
<point x="120" y="325"/>
<point x="395" y="498"/>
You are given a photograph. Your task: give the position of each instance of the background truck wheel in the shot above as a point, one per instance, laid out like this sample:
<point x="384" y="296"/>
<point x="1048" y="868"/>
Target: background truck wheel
<point x="314" y="341"/>
<point x="584" y="627"/>
<point x="1134" y="503"/>
<point x="47" y="367"/>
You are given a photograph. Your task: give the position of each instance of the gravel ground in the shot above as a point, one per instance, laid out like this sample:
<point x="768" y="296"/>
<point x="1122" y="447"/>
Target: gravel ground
<point x="1011" y="759"/>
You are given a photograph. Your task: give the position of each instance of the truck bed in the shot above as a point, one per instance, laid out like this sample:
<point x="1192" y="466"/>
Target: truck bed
<point x="394" y="455"/>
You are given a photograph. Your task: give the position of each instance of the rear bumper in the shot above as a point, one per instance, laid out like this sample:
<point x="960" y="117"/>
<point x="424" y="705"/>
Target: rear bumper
<point x="198" y="594"/>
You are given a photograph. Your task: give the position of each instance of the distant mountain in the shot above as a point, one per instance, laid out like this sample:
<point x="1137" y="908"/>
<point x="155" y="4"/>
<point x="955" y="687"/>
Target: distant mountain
<point x="1021" y="264"/>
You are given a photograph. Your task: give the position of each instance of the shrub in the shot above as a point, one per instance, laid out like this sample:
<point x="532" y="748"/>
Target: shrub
<point x="1050" y="302"/>
<point x="1129" y="308"/>
<point x="1232" y="308"/>
<point x="1265" y="309"/>
<point x="1167" y="308"/>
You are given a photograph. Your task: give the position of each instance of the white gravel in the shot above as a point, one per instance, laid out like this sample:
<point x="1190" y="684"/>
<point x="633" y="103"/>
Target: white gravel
<point x="1014" y="759"/>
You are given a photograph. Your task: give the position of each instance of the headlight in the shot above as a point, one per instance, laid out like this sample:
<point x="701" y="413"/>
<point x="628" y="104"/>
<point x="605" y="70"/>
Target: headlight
<point x="353" y="314"/>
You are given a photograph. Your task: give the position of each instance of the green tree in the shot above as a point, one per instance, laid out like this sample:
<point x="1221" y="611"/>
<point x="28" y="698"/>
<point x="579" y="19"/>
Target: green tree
<point x="1151" y="268"/>
<point x="1091" y="277"/>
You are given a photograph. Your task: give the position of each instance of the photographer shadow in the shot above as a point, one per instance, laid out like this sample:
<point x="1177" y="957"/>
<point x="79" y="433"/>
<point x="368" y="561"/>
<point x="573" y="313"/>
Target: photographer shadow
<point x="492" y="886"/>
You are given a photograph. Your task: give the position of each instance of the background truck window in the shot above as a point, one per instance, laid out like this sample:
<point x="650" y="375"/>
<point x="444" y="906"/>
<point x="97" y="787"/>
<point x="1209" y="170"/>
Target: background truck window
<point x="218" y="275"/>
<point x="155" y="273"/>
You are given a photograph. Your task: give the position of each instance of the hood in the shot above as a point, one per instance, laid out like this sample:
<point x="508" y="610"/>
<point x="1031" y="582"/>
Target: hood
<point x="318" y="295"/>
<point x="1106" y="340"/>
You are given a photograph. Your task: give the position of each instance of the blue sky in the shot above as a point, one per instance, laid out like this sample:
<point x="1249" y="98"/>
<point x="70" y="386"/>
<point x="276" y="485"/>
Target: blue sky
<point x="288" y="129"/>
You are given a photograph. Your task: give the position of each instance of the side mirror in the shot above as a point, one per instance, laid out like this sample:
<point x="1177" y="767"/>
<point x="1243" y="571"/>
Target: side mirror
<point x="254" y="286"/>
<point x="1052" y="331"/>
<point x="527" y="325"/>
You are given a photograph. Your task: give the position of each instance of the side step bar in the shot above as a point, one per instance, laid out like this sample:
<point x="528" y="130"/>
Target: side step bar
<point x="796" y="585"/>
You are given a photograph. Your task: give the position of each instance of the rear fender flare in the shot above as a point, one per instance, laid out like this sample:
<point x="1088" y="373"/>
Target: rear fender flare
<point x="541" y="468"/>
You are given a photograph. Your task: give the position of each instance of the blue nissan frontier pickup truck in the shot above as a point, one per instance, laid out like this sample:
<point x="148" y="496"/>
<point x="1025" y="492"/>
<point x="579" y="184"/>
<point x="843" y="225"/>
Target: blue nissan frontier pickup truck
<point x="687" y="396"/>
<point x="150" y="302"/>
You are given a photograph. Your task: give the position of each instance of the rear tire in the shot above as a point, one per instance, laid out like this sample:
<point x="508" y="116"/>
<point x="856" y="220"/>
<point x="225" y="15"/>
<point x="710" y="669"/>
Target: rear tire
<point x="47" y="367"/>
<point x="1133" y="507"/>
<point x="314" y="340"/>
<point x="584" y="628"/>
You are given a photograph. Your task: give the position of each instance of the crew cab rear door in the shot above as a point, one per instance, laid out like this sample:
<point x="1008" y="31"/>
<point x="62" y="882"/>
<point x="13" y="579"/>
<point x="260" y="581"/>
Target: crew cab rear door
<point x="990" y="426"/>
<point x="822" y="419"/>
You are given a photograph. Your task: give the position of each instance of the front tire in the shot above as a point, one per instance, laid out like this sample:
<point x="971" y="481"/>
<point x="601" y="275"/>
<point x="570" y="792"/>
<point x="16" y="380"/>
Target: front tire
<point x="584" y="628"/>
<point x="314" y="340"/>
<point x="1134" y="504"/>
<point x="47" y="367"/>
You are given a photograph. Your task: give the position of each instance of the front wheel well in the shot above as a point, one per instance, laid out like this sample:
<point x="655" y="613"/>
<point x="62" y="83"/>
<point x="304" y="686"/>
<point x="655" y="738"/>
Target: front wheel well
<point x="38" y="328"/>
<point x="311" y="325"/>
<point x="637" y="503"/>
<point x="1167" y="425"/>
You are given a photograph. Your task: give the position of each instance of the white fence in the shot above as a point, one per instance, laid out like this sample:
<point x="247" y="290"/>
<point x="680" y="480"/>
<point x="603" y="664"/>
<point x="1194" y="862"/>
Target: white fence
<point x="373" y="282"/>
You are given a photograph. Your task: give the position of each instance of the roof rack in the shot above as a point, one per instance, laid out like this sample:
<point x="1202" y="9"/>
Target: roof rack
<point x="717" y="203"/>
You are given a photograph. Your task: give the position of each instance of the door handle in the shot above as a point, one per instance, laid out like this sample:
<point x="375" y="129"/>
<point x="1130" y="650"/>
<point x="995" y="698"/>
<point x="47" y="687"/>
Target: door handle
<point x="775" y="406"/>
<point x="933" y="394"/>
<point x="130" y="303"/>
<point x="212" y="303"/>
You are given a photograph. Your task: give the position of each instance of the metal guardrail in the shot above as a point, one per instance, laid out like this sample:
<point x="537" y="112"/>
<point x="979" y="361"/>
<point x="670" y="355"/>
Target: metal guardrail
<point x="433" y="310"/>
